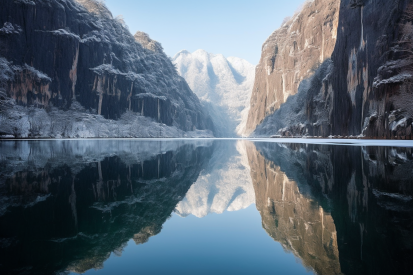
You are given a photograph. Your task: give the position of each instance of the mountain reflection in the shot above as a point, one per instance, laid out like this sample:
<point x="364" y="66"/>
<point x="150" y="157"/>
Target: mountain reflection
<point x="224" y="185"/>
<point x="68" y="205"/>
<point x="340" y="209"/>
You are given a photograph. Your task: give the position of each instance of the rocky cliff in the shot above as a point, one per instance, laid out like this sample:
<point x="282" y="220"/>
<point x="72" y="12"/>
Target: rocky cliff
<point x="224" y="86"/>
<point x="371" y="80"/>
<point x="72" y="55"/>
<point x="290" y="55"/>
<point x="365" y="90"/>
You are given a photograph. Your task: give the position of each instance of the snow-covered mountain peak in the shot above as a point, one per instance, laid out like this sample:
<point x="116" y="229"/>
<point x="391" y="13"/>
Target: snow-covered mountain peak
<point x="182" y="52"/>
<point x="223" y="84"/>
<point x="201" y="52"/>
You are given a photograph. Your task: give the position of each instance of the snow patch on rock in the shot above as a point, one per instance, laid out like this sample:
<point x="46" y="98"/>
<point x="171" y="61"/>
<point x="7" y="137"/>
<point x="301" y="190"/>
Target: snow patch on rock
<point x="9" y="28"/>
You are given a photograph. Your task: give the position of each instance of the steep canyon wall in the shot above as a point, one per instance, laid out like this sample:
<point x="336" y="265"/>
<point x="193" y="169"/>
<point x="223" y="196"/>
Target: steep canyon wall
<point x="73" y="51"/>
<point x="364" y="90"/>
<point x="290" y="55"/>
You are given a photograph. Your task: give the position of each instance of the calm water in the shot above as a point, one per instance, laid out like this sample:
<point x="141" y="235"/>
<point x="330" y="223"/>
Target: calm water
<point x="204" y="207"/>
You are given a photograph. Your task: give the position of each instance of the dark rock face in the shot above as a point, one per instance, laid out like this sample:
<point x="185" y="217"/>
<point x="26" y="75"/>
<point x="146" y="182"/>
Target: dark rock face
<point x="367" y="91"/>
<point x="64" y="51"/>
<point x="354" y="202"/>
<point x="71" y="209"/>
<point x="371" y="80"/>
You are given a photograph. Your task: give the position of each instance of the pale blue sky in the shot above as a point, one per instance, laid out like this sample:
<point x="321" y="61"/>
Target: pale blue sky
<point x="229" y="27"/>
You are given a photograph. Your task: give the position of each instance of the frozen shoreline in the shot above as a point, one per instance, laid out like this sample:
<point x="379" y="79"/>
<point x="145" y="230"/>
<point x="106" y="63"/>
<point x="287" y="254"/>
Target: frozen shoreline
<point x="346" y="142"/>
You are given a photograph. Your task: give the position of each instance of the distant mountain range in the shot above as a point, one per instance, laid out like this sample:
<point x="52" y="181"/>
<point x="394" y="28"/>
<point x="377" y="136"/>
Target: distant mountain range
<point x="224" y="86"/>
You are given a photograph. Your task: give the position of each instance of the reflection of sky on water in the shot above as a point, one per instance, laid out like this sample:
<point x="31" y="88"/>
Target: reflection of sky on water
<point x="228" y="243"/>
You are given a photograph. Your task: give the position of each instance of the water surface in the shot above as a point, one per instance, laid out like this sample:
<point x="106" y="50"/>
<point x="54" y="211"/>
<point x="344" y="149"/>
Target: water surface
<point x="204" y="207"/>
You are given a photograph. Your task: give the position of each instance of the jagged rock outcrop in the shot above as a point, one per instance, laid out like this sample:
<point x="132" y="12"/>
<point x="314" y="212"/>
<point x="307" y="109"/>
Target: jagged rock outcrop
<point x="66" y="53"/>
<point x="291" y="55"/>
<point x="365" y="194"/>
<point x="148" y="43"/>
<point x="366" y="91"/>
<point x="80" y="201"/>
<point x="224" y="86"/>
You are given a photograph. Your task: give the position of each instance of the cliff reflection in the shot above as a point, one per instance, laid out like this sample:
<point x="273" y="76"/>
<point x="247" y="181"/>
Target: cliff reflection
<point x="340" y="209"/>
<point x="69" y="205"/>
<point x="297" y="221"/>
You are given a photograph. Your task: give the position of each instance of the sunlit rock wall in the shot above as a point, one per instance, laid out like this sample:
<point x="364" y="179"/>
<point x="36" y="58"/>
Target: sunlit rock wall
<point x="306" y="113"/>
<point x="290" y="55"/>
